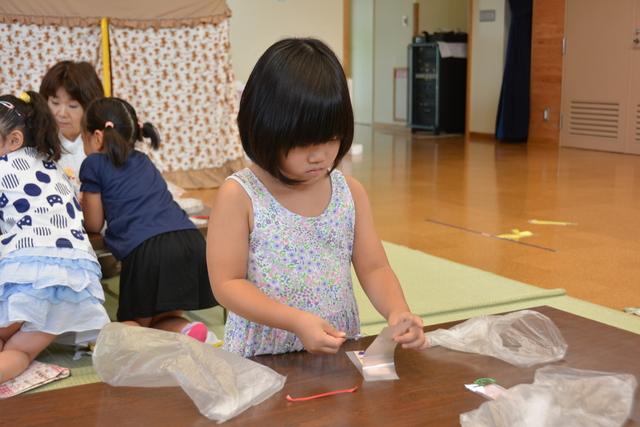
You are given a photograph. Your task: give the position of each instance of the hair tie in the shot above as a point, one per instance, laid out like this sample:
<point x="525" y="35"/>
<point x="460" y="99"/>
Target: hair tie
<point x="108" y="124"/>
<point x="25" y="97"/>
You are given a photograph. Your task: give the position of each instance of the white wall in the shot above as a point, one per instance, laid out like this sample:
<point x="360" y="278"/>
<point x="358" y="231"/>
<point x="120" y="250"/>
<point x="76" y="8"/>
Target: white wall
<point x="488" y="46"/>
<point x="446" y="15"/>
<point x="362" y="60"/>
<point x="257" y="24"/>
<point x="391" y="37"/>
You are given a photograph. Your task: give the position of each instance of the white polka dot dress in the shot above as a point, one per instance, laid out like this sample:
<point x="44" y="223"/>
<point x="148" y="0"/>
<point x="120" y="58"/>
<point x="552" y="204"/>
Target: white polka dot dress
<point x="49" y="275"/>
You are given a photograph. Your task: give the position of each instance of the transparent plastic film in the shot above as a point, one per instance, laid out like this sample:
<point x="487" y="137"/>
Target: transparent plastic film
<point x="221" y="384"/>
<point x="523" y="338"/>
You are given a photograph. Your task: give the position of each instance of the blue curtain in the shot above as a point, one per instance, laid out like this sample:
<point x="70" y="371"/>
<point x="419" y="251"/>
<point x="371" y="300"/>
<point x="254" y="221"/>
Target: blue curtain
<point x="512" y="122"/>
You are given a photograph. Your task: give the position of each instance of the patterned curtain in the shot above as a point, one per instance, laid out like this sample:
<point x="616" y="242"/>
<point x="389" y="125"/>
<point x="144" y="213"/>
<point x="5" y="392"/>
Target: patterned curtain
<point x="28" y="50"/>
<point x="181" y="80"/>
<point x="175" y="70"/>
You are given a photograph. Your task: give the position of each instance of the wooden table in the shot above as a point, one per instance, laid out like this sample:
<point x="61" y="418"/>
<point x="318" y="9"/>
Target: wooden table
<point x="430" y="390"/>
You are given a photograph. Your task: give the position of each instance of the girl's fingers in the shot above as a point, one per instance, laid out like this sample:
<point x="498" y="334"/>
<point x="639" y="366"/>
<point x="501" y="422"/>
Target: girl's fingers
<point x="413" y="338"/>
<point x="417" y="344"/>
<point x="333" y="332"/>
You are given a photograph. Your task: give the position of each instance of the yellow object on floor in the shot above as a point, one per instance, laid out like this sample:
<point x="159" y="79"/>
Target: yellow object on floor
<point x="545" y="222"/>
<point x="515" y="235"/>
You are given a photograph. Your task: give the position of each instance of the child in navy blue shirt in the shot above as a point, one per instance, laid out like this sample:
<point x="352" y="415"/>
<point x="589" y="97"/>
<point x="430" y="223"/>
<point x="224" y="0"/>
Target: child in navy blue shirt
<point x="163" y="254"/>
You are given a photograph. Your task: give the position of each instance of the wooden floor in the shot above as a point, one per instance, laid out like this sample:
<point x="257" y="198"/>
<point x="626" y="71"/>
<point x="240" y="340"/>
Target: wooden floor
<point x="446" y="197"/>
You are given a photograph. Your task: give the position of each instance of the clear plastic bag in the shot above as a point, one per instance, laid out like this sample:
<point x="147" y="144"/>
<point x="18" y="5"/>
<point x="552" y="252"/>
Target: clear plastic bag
<point x="221" y="384"/>
<point x="560" y="397"/>
<point x="523" y="338"/>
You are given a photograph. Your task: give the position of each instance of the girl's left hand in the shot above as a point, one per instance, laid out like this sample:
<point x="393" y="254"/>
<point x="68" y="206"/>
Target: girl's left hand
<point x="413" y="337"/>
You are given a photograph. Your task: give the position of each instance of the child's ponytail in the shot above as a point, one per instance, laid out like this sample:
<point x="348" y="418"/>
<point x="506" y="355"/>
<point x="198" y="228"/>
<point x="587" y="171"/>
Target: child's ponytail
<point x="31" y="115"/>
<point x="145" y="130"/>
<point x="41" y="130"/>
<point x="119" y="123"/>
<point x="150" y="131"/>
<point x="117" y="148"/>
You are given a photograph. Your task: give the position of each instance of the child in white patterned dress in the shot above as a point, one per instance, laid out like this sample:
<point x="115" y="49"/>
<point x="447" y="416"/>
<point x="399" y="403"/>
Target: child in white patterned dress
<point x="49" y="274"/>
<point x="284" y="232"/>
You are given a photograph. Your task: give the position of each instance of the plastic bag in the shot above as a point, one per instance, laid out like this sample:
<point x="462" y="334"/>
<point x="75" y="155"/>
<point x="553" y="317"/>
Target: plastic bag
<point x="221" y="384"/>
<point x="560" y="397"/>
<point x="523" y="338"/>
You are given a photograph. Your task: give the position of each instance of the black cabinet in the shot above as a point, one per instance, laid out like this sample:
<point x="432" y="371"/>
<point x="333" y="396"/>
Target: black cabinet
<point x="436" y="90"/>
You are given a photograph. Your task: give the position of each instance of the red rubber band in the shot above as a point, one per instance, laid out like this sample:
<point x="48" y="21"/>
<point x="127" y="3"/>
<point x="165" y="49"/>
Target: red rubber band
<point x="316" y="396"/>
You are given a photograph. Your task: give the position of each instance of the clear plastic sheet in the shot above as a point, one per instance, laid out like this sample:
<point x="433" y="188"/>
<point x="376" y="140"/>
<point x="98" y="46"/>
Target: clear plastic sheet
<point x="560" y="397"/>
<point x="523" y="338"/>
<point x="221" y="384"/>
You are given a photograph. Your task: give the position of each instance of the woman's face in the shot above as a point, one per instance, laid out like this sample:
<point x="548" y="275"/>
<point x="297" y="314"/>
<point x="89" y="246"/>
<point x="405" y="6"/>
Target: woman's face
<point x="67" y="112"/>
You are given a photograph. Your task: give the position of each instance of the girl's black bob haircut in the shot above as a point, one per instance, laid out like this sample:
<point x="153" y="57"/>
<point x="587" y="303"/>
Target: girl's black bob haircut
<point x="296" y="96"/>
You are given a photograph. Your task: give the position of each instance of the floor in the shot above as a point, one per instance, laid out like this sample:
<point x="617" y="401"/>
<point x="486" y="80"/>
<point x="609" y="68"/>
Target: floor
<point x="449" y="198"/>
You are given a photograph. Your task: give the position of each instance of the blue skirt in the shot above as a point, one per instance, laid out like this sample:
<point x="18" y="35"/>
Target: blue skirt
<point x="52" y="290"/>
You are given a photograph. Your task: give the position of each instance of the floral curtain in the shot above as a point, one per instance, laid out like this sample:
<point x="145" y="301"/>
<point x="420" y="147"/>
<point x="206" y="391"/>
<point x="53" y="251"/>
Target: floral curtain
<point x="171" y="62"/>
<point x="181" y="80"/>
<point x="28" y="50"/>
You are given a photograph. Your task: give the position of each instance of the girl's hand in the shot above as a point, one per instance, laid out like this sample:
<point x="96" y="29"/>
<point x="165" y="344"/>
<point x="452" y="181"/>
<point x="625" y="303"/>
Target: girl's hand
<point x="318" y="335"/>
<point x="413" y="337"/>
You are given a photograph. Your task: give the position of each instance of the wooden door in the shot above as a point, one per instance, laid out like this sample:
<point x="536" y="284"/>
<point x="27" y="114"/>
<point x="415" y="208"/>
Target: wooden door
<point x="597" y="74"/>
<point x="632" y="141"/>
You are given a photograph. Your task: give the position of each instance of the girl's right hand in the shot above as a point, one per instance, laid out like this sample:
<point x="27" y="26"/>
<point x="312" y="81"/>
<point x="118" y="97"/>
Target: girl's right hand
<point x="318" y="335"/>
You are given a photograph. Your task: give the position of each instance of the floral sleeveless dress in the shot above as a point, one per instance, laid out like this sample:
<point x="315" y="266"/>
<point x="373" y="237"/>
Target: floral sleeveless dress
<point x="304" y="262"/>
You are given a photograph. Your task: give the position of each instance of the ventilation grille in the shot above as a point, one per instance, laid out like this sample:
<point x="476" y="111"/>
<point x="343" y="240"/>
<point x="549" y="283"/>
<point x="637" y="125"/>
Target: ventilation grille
<point x="599" y="119"/>
<point x="637" y="123"/>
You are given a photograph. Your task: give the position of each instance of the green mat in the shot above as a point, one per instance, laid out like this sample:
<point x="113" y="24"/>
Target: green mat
<point x="434" y="286"/>
<point x="436" y="289"/>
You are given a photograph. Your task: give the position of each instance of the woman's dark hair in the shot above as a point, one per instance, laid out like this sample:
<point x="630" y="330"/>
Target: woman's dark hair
<point x="119" y="140"/>
<point x="33" y="118"/>
<point x="79" y="79"/>
<point x="296" y="96"/>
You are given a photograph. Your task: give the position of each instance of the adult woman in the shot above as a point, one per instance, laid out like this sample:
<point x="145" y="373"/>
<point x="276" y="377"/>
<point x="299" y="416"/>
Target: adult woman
<point x="69" y="87"/>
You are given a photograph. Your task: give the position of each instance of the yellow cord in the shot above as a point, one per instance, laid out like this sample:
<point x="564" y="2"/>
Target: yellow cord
<point x="106" y="59"/>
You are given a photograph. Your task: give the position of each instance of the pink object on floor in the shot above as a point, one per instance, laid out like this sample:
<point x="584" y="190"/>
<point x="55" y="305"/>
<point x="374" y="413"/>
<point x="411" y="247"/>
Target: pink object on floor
<point x="196" y="330"/>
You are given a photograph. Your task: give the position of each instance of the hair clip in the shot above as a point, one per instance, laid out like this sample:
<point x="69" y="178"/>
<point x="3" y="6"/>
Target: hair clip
<point x="25" y="97"/>
<point x="11" y="107"/>
<point x="7" y="104"/>
<point x="108" y="124"/>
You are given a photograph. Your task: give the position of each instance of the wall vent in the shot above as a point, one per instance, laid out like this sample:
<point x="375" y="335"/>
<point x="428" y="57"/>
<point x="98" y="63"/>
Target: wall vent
<point x="596" y="119"/>
<point x="637" y="123"/>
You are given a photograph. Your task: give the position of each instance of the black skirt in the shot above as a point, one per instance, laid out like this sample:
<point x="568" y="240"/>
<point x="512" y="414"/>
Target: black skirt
<point x="164" y="273"/>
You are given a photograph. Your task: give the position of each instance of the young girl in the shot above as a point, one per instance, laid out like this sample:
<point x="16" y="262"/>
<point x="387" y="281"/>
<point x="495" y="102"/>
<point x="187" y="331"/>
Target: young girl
<point x="69" y="87"/>
<point x="49" y="275"/>
<point x="163" y="254"/>
<point x="284" y="232"/>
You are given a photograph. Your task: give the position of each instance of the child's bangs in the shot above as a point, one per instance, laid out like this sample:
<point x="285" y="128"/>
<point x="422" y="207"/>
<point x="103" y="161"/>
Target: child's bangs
<point x="320" y="119"/>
